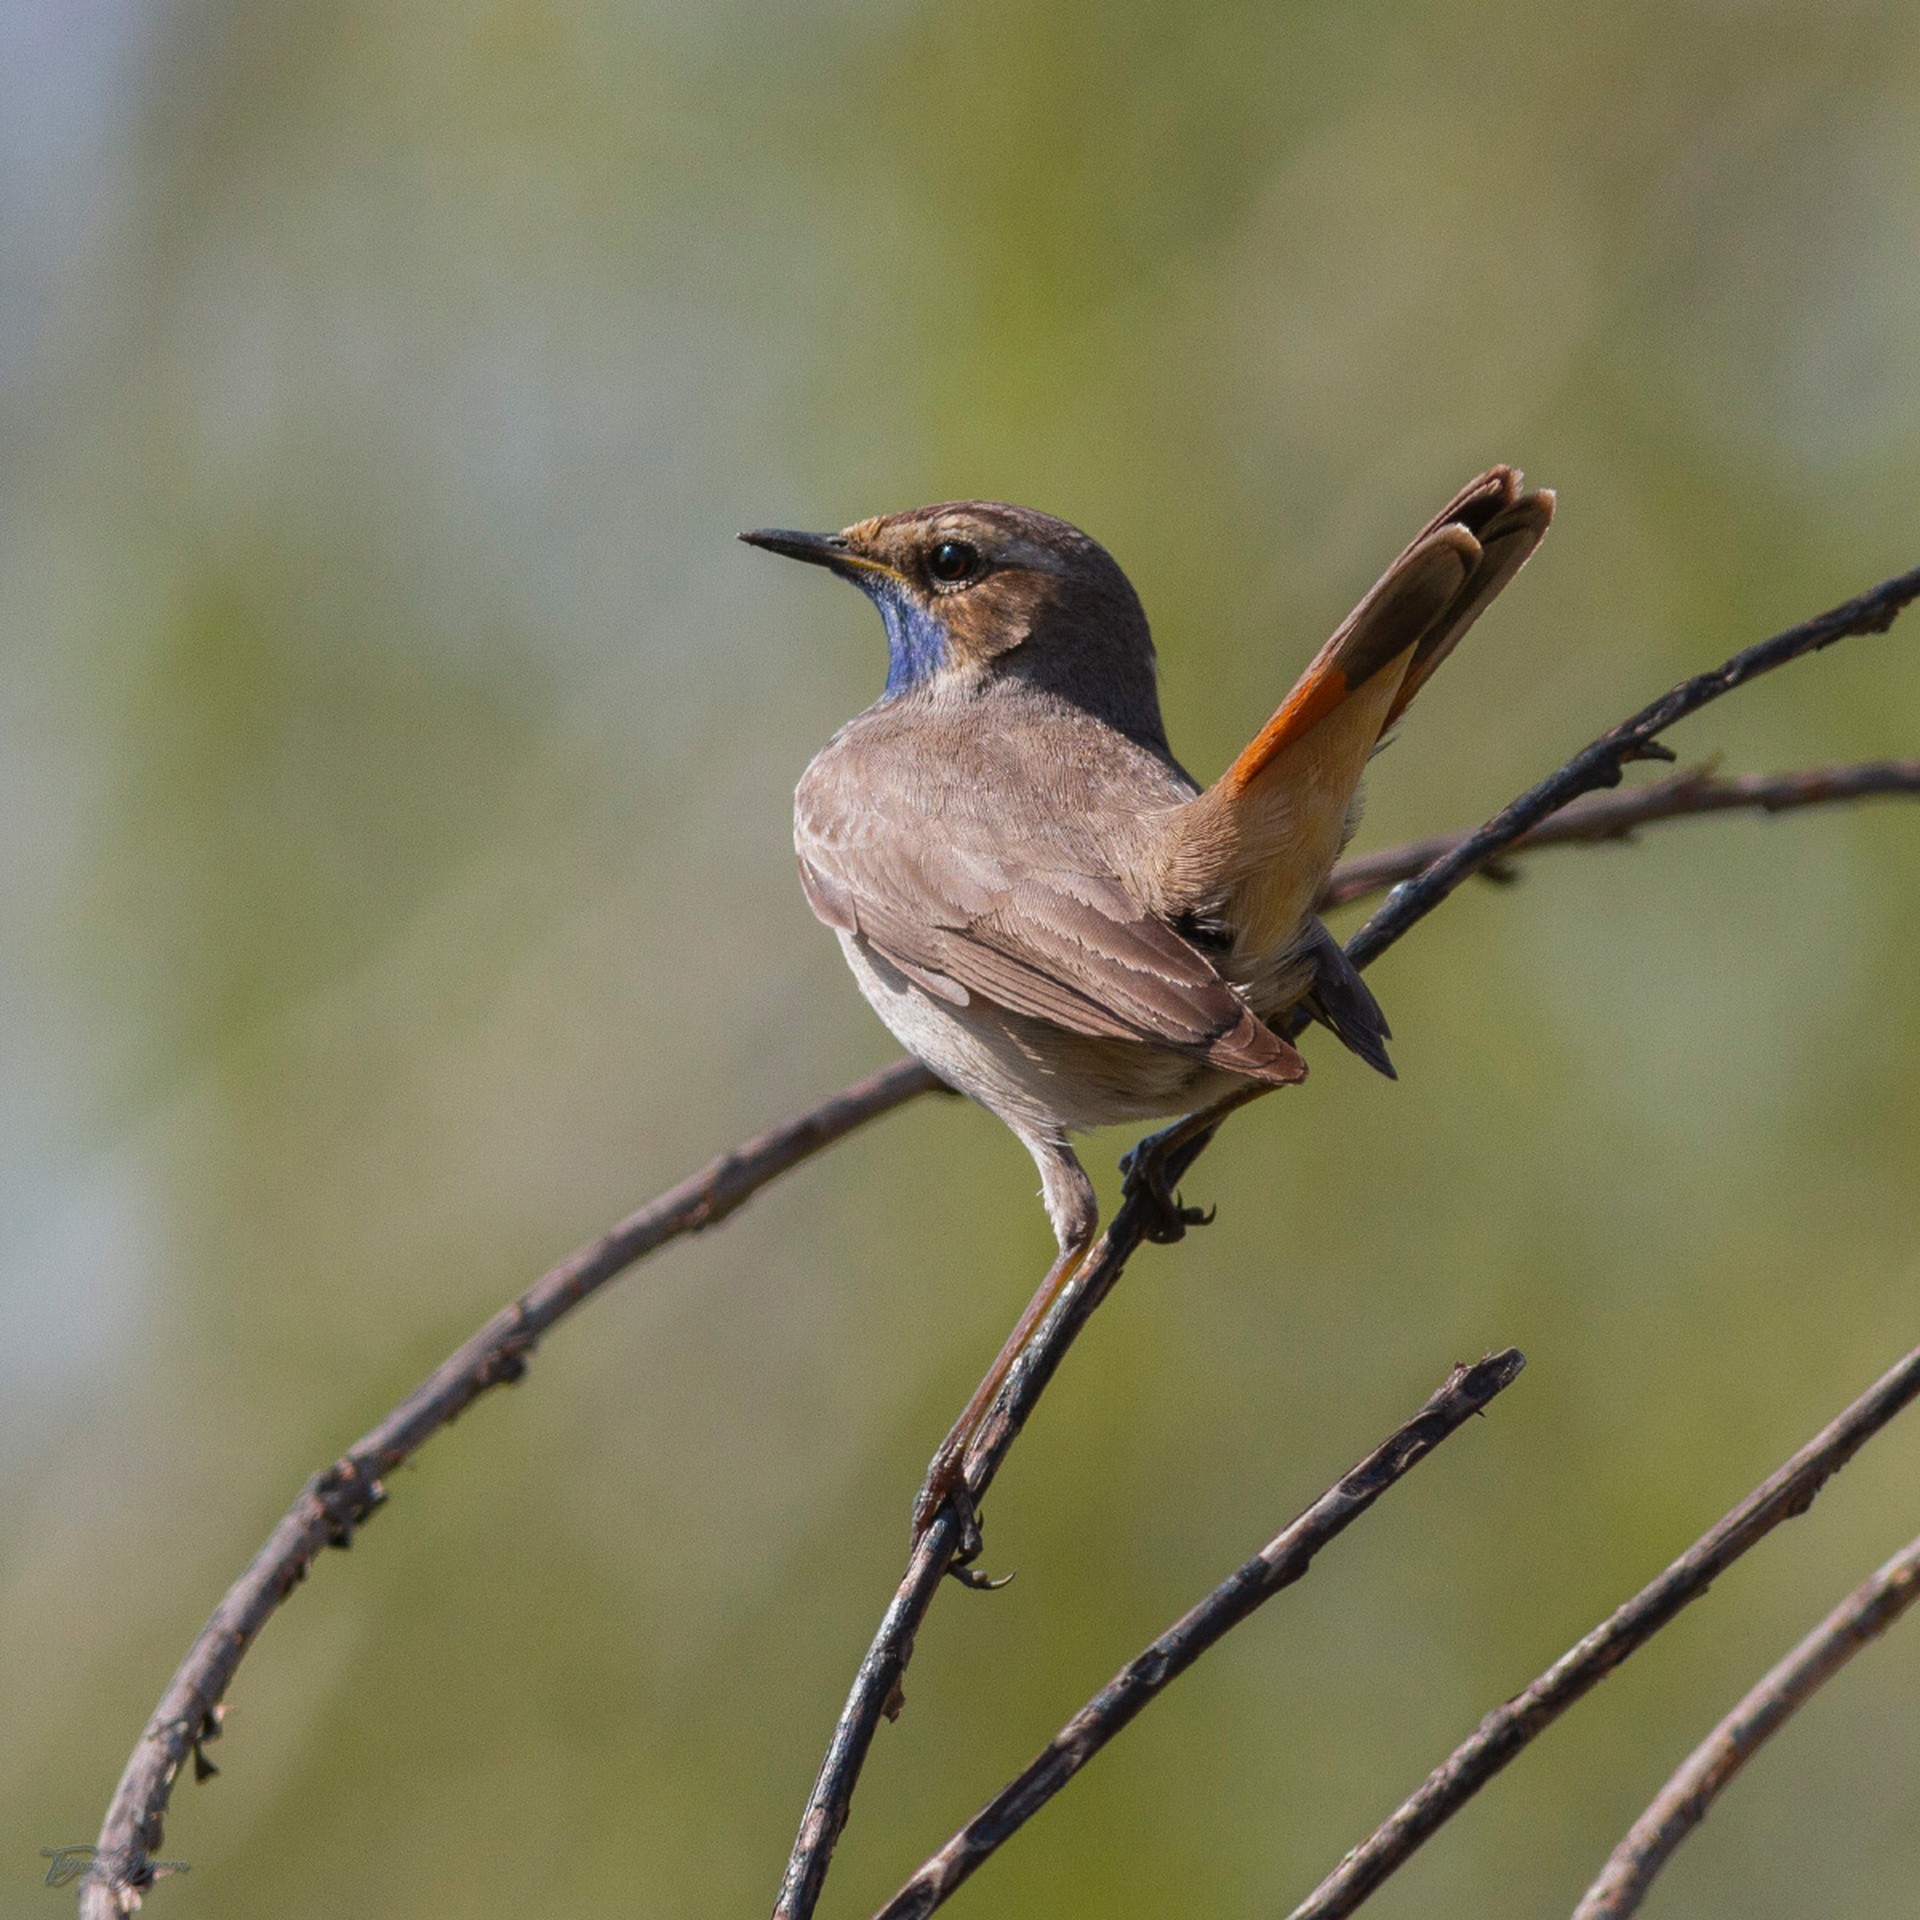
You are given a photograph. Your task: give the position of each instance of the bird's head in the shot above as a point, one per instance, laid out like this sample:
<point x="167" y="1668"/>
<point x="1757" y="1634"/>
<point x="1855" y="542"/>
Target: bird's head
<point x="973" y="590"/>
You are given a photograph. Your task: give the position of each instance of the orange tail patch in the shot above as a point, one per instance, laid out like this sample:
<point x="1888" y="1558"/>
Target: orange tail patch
<point x="1262" y="838"/>
<point x="1413" y="596"/>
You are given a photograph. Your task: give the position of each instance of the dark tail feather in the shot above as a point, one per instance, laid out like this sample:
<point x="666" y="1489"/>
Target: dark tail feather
<point x="1343" y="1003"/>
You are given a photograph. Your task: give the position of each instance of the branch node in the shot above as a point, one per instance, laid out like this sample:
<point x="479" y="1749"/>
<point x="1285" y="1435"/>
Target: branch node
<point x="507" y="1366"/>
<point x="348" y="1496"/>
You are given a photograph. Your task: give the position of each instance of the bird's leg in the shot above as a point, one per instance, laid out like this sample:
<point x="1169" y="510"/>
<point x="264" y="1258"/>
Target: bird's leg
<point x="1075" y="1216"/>
<point x="946" y="1479"/>
<point x="1147" y="1166"/>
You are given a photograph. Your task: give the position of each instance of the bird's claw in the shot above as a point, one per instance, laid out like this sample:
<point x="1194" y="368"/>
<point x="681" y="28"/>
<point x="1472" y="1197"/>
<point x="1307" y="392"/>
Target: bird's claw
<point x="974" y="1578"/>
<point x="1145" y="1169"/>
<point x="946" y="1486"/>
<point x="1174" y="1219"/>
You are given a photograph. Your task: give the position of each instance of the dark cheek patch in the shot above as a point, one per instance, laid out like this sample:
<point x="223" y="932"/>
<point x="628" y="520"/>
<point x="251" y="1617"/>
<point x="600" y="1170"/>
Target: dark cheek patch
<point x="991" y="619"/>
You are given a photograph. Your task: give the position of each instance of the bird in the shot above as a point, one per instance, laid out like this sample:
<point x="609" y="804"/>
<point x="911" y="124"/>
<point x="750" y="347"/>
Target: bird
<point x="1033" y="893"/>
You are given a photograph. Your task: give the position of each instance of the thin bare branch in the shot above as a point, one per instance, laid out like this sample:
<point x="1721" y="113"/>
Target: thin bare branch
<point x="487" y="1358"/>
<point x="1510" y="1728"/>
<point x="1703" y="1776"/>
<point x="335" y="1502"/>
<point x="876" y="1689"/>
<point x="344" y="1495"/>
<point x="1602" y="762"/>
<point x="1599" y="764"/>
<point x="1620" y="815"/>
<point x="1282" y="1561"/>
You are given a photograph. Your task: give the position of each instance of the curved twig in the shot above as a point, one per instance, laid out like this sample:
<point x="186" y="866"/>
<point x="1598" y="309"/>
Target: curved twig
<point x="1509" y="1728"/>
<point x="876" y="1686"/>
<point x="1602" y="762"/>
<point x="1682" y="1803"/>
<point x="1619" y="816"/>
<point x="1282" y="1561"/>
<point x="335" y="1502"/>
<point x="488" y="1357"/>
<point x="343" y="1496"/>
<point x="1599" y="764"/>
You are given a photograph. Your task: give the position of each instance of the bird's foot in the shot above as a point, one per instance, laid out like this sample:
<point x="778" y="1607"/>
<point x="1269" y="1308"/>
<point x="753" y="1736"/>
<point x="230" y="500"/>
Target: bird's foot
<point x="1149" y="1180"/>
<point x="946" y="1487"/>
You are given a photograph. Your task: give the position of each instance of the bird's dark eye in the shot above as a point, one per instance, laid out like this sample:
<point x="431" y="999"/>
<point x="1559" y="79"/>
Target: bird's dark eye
<point x="952" y="561"/>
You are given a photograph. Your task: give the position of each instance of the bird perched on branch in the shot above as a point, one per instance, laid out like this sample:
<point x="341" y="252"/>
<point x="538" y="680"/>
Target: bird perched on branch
<point x="1033" y="893"/>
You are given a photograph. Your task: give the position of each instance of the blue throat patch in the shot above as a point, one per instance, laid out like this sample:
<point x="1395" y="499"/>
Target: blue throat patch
<point x="916" y="641"/>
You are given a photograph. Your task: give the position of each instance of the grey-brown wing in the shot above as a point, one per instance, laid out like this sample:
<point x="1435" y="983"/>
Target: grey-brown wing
<point x="1066" y="947"/>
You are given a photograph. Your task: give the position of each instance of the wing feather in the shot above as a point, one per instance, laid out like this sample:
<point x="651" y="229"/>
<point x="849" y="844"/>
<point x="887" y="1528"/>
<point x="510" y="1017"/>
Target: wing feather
<point x="1065" y="947"/>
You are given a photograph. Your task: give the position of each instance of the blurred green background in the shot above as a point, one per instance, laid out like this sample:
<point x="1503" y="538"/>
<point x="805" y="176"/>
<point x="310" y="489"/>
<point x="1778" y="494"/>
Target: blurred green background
<point x="396" y="756"/>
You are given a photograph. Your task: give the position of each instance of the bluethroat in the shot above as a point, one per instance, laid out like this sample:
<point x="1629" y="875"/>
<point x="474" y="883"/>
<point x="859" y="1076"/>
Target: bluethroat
<point x="1038" y="899"/>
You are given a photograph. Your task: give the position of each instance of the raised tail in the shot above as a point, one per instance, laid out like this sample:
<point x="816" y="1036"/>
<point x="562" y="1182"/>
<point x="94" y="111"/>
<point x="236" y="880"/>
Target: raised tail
<point x="1508" y="525"/>
<point x="1251" y="854"/>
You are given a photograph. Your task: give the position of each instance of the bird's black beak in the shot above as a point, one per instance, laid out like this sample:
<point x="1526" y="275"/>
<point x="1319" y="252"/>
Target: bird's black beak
<point x="821" y="549"/>
<point x="829" y="550"/>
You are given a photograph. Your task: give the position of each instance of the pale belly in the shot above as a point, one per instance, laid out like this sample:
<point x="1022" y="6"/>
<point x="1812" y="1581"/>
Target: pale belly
<point x="1040" y="1079"/>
